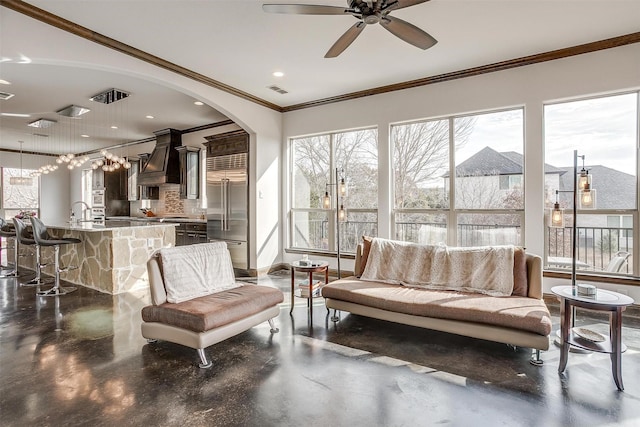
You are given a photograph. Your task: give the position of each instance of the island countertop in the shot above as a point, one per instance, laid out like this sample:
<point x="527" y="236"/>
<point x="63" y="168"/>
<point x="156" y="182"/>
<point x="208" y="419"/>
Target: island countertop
<point x="156" y="219"/>
<point x="107" y="226"/>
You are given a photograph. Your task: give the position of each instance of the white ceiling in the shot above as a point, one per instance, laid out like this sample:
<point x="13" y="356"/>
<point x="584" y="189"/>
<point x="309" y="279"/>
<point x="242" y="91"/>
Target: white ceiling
<point x="236" y="43"/>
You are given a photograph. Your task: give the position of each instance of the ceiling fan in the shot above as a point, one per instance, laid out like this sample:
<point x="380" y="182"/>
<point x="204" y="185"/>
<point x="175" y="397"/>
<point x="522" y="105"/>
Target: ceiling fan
<point x="367" y="12"/>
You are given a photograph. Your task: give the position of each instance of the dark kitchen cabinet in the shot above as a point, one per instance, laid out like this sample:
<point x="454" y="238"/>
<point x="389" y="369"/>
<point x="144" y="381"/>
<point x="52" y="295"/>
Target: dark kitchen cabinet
<point x="114" y="184"/>
<point x="188" y="233"/>
<point x="189" y="172"/>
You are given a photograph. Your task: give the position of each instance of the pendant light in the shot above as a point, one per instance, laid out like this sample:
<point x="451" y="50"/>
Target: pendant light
<point x="21" y="180"/>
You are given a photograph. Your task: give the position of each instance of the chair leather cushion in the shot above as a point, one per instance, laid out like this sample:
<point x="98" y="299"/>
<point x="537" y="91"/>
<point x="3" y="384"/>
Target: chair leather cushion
<point x="212" y="311"/>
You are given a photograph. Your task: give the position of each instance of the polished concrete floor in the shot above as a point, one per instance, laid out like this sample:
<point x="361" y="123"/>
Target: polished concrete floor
<point x="80" y="360"/>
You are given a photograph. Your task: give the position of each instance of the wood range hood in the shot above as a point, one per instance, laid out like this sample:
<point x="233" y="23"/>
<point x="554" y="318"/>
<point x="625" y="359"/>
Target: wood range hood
<point x="163" y="166"/>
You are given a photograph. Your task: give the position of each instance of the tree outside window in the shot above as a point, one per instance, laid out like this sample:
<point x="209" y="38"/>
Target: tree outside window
<point x="19" y="198"/>
<point x="489" y="199"/>
<point x="314" y="160"/>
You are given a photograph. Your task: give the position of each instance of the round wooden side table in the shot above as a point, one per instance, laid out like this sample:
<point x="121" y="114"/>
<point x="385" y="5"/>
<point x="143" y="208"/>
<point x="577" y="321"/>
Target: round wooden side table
<point x="315" y="267"/>
<point x="612" y="302"/>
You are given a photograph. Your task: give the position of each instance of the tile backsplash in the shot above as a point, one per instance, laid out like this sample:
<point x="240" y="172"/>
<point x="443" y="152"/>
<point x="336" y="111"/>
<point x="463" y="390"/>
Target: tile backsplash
<point x="169" y="204"/>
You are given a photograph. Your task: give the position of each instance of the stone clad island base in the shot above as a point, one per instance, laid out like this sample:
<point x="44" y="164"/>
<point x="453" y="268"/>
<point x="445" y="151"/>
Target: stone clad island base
<point x="111" y="258"/>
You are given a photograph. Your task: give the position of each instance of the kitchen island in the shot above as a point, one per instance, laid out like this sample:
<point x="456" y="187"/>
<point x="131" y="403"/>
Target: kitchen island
<point x="111" y="258"/>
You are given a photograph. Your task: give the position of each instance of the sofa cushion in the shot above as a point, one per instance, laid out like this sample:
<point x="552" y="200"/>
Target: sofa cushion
<point x="522" y="313"/>
<point x="520" y="280"/>
<point x="366" y="248"/>
<point x="215" y="310"/>
<point x="520" y="284"/>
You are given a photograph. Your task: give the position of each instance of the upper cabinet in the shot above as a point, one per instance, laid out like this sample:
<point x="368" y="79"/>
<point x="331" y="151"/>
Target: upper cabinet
<point x="223" y="144"/>
<point x="133" y="192"/>
<point x="189" y="172"/>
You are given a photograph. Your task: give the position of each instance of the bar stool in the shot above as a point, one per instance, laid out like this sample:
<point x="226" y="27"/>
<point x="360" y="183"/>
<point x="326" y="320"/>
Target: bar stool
<point x="7" y="232"/>
<point x="42" y="238"/>
<point x="26" y="238"/>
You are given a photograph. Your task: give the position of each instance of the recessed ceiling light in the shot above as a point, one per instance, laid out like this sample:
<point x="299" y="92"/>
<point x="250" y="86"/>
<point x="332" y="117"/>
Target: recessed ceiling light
<point x="278" y="74"/>
<point x="150" y="117"/>
<point x="15" y="115"/>
<point x="84" y="135"/>
<point x="114" y="127"/>
<point x="199" y="103"/>
<point x="4" y="82"/>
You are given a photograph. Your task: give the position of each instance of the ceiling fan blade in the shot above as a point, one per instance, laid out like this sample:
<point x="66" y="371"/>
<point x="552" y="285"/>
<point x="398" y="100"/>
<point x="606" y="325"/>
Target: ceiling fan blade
<point x="408" y="32"/>
<point x="345" y="40"/>
<point x="304" y="9"/>
<point x="400" y="4"/>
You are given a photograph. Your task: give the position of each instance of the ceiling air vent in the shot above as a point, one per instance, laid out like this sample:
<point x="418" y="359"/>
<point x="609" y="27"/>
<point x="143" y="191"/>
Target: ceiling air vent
<point x="277" y="89"/>
<point x="110" y="95"/>
<point x="6" y="95"/>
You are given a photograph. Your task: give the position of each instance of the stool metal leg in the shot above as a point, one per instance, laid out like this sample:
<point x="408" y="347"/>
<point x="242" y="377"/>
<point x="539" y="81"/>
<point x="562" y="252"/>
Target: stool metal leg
<point x="57" y="289"/>
<point x="12" y="272"/>
<point x="38" y="280"/>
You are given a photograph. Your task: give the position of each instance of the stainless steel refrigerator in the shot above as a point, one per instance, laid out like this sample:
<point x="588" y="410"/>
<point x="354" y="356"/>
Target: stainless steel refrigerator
<point x="227" y="204"/>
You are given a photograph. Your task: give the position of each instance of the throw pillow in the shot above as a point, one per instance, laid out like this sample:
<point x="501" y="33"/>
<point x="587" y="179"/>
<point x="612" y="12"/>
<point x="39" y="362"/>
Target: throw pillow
<point x="366" y="240"/>
<point x="520" y="282"/>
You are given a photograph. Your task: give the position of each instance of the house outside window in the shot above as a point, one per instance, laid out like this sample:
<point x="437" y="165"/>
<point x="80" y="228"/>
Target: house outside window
<point x="604" y="130"/>
<point x="314" y="162"/>
<point x="487" y="206"/>
<point x="19" y="198"/>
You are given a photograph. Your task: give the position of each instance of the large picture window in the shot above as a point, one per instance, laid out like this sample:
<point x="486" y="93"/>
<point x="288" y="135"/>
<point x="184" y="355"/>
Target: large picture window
<point x="314" y="162"/>
<point x="604" y="130"/>
<point x="20" y="192"/>
<point x="487" y="206"/>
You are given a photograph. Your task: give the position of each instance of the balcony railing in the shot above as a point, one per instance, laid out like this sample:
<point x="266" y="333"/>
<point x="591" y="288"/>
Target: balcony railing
<point x="595" y="249"/>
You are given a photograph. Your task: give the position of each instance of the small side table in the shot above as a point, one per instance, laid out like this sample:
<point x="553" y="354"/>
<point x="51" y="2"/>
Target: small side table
<point x="317" y="267"/>
<point x="612" y="302"/>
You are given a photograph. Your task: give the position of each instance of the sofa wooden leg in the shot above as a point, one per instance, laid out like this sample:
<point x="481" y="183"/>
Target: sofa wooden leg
<point x="336" y="316"/>
<point x="203" y="357"/>
<point x="274" y="330"/>
<point x="535" y="358"/>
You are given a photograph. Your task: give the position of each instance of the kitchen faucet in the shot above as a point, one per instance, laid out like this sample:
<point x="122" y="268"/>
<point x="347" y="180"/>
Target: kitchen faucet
<point x="84" y="210"/>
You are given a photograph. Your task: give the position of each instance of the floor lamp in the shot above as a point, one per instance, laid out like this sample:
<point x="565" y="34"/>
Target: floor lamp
<point x="583" y="195"/>
<point x="341" y="212"/>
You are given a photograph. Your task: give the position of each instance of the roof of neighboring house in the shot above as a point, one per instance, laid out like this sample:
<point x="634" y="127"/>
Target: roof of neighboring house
<point x="491" y="162"/>
<point x="614" y="189"/>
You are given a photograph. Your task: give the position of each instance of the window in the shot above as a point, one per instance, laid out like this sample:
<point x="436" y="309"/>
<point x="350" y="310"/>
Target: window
<point x="487" y="206"/>
<point x="510" y="182"/>
<point x="604" y="130"/>
<point x="314" y="162"/>
<point x="17" y="197"/>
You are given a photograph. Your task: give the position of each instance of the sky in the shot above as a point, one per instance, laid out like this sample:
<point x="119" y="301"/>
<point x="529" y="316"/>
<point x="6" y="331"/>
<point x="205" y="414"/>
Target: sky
<point x="602" y="129"/>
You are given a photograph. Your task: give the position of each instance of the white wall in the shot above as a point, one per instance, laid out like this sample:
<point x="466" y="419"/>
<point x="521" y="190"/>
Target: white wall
<point x="600" y="72"/>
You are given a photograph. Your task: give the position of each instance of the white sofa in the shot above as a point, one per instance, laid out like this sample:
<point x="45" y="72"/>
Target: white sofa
<point x="516" y="320"/>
